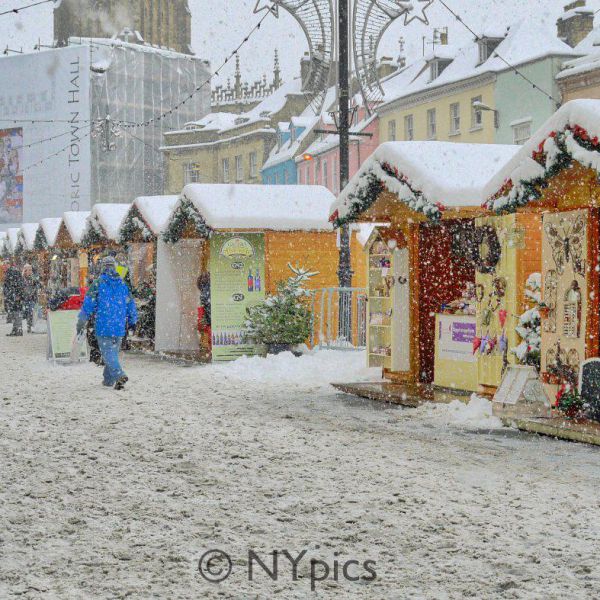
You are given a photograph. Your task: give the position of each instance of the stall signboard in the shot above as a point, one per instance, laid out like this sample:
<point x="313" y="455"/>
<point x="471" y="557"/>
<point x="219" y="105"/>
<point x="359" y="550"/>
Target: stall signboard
<point x="455" y="337"/>
<point x="237" y="282"/>
<point x="61" y="333"/>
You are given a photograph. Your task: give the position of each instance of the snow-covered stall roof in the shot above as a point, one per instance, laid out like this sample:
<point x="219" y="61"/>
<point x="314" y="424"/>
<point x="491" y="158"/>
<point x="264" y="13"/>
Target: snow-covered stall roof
<point x="427" y="176"/>
<point x="156" y="210"/>
<point x="50" y="229"/>
<point x="106" y="220"/>
<point x="76" y="223"/>
<point x="27" y="235"/>
<point x="573" y="132"/>
<point x="3" y="243"/>
<point x="277" y="207"/>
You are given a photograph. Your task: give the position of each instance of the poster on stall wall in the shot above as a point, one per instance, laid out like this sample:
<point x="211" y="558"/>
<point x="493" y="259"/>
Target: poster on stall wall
<point x="61" y="332"/>
<point x="237" y="281"/>
<point x="455" y="337"/>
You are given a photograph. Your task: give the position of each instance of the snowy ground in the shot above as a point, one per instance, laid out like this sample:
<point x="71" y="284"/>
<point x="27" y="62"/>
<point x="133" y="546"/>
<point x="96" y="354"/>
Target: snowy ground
<point x="115" y="495"/>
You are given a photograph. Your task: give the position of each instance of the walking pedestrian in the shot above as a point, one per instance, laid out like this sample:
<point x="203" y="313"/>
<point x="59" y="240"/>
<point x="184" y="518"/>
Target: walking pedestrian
<point x="14" y="296"/>
<point x="110" y="301"/>
<point x="31" y="288"/>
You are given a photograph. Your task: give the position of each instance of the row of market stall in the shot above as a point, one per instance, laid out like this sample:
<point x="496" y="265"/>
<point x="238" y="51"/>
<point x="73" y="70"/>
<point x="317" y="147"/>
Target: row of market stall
<point x="489" y="256"/>
<point x="230" y="244"/>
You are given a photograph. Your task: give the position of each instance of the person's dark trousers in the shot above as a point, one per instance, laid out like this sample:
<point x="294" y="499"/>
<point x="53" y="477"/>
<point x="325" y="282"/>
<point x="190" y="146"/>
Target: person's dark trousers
<point x="110" y="347"/>
<point x="28" y="315"/>
<point x="16" y="318"/>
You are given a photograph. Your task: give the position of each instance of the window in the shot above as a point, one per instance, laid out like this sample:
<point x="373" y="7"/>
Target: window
<point x="286" y="177"/>
<point x="253" y="165"/>
<point x="476" y="114"/>
<point x="392" y="131"/>
<point x="316" y="173"/>
<point x="191" y="173"/>
<point x="437" y="66"/>
<point x="455" y="118"/>
<point x="521" y="132"/>
<point x="225" y="170"/>
<point x="409" y="128"/>
<point x="487" y="47"/>
<point x="431" y="124"/>
<point x="300" y="176"/>
<point x="325" y="179"/>
<point x="239" y="168"/>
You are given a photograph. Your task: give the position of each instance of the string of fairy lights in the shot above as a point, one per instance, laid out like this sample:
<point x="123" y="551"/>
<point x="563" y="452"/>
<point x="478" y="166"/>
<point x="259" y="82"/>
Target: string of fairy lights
<point x="17" y="10"/>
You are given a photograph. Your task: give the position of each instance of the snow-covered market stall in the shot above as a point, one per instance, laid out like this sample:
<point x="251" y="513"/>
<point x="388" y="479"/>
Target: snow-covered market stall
<point x="44" y="246"/>
<point x="102" y="234"/>
<point x="144" y="223"/>
<point x="554" y="182"/>
<point x="225" y="247"/>
<point x="25" y="248"/>
<point x="68" y="265"/>
<point x="422" y="267"/>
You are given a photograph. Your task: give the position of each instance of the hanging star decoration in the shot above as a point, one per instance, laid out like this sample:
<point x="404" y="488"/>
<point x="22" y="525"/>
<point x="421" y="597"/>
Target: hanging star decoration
<point x="418" y="12"/>
<point x="271" y="5"/>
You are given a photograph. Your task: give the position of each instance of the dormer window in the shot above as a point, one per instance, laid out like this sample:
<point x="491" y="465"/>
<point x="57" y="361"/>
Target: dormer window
<point x="437" y="67"/>
<point x="487" y="46"/>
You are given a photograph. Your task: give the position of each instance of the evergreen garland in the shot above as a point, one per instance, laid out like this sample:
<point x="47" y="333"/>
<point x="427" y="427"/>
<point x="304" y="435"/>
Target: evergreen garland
<point x="134" y="223"/>
<point x="40" y="242"/>
<point x="554" y="156"/>
<point x="366" y="194"/>
<point x="185" y="213"/>
<point x="93" y="235"/>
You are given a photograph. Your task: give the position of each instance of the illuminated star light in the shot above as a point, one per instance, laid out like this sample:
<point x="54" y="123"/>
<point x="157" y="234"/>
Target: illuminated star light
<point x="418" y="12"/>
<point x="271" y="5"/>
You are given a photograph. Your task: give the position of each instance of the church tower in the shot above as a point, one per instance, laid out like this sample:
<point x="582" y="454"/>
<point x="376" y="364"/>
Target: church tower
<point x="166" y="23"/>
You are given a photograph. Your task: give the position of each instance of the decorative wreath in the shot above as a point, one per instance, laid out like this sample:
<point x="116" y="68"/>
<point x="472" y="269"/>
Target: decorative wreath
<point x="486" y="236"/>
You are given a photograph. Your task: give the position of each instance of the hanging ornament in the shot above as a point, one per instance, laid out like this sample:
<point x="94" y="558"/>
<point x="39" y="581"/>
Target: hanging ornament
<point x="484" y="343"/>
<point x="502" y="314"/>
<point x="476" y="344"/>
<point x="503" y="343"/>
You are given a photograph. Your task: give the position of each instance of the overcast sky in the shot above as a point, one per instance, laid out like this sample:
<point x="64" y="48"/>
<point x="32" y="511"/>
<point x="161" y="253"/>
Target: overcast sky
<point x="219" y="25"/>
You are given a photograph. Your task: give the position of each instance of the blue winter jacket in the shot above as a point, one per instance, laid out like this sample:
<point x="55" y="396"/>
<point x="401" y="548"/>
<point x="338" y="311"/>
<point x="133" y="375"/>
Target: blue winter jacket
<point x="110" y="299"/>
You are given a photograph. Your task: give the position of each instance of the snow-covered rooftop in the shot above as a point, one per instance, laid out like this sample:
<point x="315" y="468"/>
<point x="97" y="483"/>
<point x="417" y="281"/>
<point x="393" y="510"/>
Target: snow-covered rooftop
<point x="50" y="228"/>
<point x="76" y="223"/>
<point x="442" y="173"/>
<point x="522" y="167"/>
<point x="28" y="232"/>
<point x="13" y="238"/>
<point x="277" y="207"/>
<point x="110" y="217"/>
<point x="156" y="210"/>
<point x="526" y="41"/>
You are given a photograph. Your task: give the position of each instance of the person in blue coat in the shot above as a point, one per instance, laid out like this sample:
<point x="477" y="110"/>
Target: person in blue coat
<point x="110" y="301"/>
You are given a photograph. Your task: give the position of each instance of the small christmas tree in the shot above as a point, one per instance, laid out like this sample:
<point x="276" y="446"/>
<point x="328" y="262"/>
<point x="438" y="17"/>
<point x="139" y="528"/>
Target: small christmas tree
<point x="283" y="319"/>
<point x="528" y="352"/>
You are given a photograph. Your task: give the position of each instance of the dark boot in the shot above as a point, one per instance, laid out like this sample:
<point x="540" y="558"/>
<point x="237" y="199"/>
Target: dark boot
<point x="120" y="385"/>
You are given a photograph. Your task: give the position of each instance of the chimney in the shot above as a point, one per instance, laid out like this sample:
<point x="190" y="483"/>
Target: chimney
<point x="576" y="23"/>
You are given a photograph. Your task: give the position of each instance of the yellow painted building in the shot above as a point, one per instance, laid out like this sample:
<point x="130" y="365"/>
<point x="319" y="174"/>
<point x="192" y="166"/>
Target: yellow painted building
<point x="225" y="147"/>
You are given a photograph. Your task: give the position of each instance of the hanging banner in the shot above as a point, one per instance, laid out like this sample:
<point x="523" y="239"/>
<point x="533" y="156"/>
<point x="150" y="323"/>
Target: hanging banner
<point x="237" y="276"/>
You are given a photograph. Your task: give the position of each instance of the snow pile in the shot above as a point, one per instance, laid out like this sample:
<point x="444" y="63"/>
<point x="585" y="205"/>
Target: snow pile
<point x="276" y="207"/>
<point x="477" y="414"/>
<point x="315" y="370"/>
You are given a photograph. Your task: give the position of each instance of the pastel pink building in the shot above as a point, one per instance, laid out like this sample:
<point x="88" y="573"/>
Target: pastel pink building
<point x="320" y="163"/>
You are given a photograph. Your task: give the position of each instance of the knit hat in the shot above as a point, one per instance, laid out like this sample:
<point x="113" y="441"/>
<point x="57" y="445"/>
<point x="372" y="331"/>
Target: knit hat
<point x="108" y="263"/>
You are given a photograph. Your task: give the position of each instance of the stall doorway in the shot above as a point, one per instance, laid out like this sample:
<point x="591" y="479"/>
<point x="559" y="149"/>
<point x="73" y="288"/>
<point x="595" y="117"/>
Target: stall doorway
<point x="178" y="267"/>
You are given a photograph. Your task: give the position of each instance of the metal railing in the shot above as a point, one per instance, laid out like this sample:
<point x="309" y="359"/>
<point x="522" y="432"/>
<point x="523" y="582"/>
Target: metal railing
<point x="339" y="318"/>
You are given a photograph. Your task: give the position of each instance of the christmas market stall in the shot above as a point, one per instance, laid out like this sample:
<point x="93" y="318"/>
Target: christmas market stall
<point x="102" y="235"/>
<point x="553" y="184"/>
<point x="224" y="248"/>
<point x="144" y="223"/>
<point x="25" y="248"/>
<point x="44" y="243"/>
<point x="422" y="268"/>
<point x="68" y="263"/>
